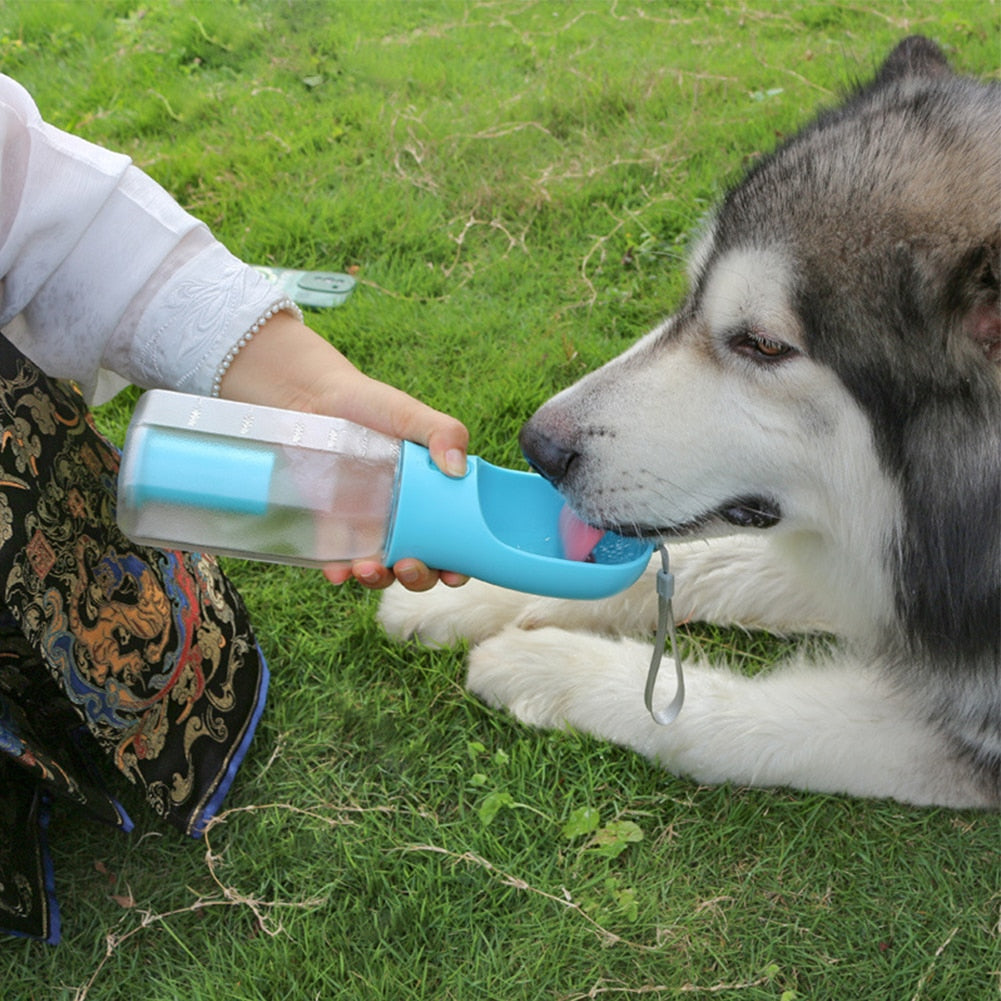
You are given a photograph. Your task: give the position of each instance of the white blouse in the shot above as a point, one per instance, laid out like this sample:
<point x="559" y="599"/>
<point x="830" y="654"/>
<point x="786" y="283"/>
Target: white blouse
<point x="104" y="279"/>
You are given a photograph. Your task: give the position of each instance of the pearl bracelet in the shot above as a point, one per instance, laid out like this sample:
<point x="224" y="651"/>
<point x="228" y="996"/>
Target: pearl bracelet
<point x="285" y="305"/>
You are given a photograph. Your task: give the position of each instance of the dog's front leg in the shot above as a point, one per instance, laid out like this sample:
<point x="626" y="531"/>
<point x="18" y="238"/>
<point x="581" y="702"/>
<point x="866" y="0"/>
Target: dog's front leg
<point x="836" y="727"/>
<point x="478" y="610"/>
<point x="739" y="580"/>
<point x="760" y="581"/>
<point x="443" y="615"/>
<point x="753" y="581"/>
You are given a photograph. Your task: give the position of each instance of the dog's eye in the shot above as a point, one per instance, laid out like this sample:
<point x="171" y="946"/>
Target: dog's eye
<point x="770" y="348"/>
<point x="761" y="348"/>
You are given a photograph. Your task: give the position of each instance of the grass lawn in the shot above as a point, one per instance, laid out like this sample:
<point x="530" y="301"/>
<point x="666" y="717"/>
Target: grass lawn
<point x="513" y="184"/>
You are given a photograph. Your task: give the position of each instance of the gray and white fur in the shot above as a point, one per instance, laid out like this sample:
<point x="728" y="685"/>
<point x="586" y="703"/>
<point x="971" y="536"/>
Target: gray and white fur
<point x="816" y="432"/>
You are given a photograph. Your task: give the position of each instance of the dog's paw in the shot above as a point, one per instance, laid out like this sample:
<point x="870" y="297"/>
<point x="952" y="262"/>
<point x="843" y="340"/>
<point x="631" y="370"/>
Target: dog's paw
<point x="510" y="671"/>
<point x="444" y="615"/>
<point x="553" y="678"/>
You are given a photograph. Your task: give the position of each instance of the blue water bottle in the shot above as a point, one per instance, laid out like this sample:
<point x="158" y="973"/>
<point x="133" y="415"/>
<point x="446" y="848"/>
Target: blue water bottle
<point x="261" y="483"/>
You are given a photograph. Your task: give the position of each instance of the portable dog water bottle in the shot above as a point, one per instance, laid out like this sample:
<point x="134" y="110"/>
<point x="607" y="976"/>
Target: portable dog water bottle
<point x="286" y="487"/>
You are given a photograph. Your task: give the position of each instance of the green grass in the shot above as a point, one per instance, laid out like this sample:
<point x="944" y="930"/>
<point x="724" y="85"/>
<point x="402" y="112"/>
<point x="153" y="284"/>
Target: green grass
<point x="515" y="183"/>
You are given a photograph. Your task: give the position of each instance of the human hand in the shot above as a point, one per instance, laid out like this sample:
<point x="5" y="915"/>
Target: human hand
<point x="288" y="365"/>
<point x="385" y="408"/>
<point x="411" y="573"/>
<point x="376" y="405"/>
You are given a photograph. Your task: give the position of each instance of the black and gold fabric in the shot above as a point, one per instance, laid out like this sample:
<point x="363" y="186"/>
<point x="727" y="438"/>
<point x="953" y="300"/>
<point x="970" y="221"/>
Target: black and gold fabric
<point x="108" y="650"/>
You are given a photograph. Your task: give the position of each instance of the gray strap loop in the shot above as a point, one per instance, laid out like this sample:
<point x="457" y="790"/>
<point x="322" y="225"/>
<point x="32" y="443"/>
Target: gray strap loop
<point x="665" y="628"/>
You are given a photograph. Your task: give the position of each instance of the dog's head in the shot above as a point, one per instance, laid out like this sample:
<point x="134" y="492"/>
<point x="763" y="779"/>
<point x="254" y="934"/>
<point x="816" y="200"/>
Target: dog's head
<point x="834" y="367"/>
<point x="846" y="290"/>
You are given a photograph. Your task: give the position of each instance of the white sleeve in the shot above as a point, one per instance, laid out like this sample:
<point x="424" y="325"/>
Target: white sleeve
<point x="102" y="272"/>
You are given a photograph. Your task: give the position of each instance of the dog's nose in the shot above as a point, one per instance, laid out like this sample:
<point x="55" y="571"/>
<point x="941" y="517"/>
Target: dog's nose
<point x="544" y="453"/>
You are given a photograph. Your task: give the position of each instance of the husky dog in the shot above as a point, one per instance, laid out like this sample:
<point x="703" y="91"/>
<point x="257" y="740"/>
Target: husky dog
<point x="823" y="415"/>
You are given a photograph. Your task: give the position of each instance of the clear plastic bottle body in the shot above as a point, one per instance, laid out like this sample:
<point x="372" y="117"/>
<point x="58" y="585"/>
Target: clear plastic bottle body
<point x="266" y="484"/>
<point x="255" y="482"/>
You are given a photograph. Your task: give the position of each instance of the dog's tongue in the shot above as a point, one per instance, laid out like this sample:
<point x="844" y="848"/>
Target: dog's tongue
<point x="578" y="538"/>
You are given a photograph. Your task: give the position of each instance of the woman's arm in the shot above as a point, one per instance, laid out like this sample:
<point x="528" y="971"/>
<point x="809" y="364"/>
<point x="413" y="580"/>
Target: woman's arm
<point x="107" y="280"/>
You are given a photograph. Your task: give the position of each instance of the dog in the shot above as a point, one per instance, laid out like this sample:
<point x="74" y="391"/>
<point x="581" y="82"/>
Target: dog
<point x="816" y="432"/>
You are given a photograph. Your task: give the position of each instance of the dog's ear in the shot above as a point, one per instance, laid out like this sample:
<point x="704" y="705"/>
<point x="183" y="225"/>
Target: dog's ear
<point x="974" y="297"/>
<point x="915" y="56"/>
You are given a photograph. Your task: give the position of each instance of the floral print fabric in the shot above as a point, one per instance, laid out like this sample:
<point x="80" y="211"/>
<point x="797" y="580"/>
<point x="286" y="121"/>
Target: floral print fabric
<point x="107" y="649"/>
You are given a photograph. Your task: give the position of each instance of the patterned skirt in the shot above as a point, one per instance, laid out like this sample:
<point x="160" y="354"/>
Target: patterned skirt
<point x="108" y="650"/>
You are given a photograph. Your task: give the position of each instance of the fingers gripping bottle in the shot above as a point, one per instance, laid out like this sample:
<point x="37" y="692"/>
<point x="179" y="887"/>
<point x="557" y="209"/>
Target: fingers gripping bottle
<point x="267" y="484"/>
